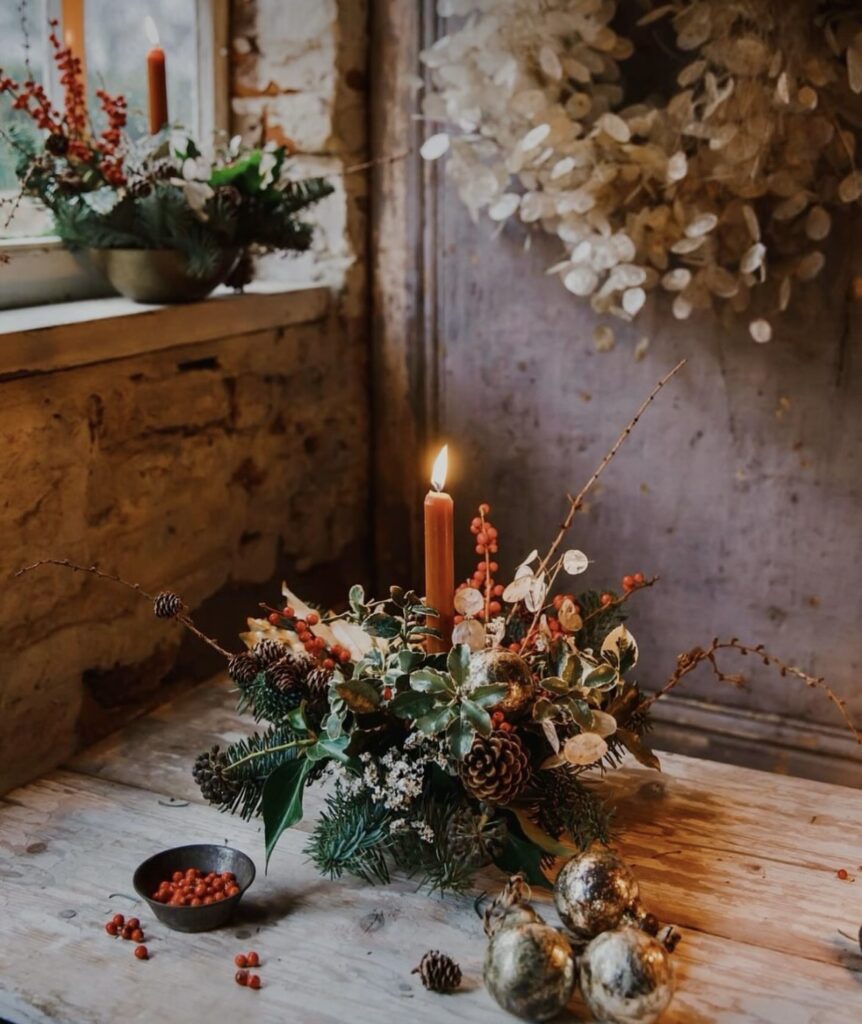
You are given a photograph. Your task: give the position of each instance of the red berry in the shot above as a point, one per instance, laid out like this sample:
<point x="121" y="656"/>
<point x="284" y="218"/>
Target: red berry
<point x="241" y="960"/>
<point x="137" y="935"/>
<point x="241" y="977"/>
<point x="639" y="578"/>
<point x="288" y="612"/>
<point x="842" y="873"/>
<point x="480" y="549"/>
<point x="343" y="656"/>
<point x="141" y="953"/>
<point x="118" y="920"/>
<point x="628" y="582"/>
<point x="514" y="647"/>
<point x="133" y="922"/>
<point x="328" y="663"/>
<point x="312" y="618"/>
<point x="485" y="508"/>
<point x="505" y="726"/>
<point x="606" y="599"/>
<point x="111" y="928"/>
<point x="495" y="607"/>
<point x="232" y="890"/>
<point x="254" y="981"/>
<point x="253" y="959"/>
<point x="387" y="693"/>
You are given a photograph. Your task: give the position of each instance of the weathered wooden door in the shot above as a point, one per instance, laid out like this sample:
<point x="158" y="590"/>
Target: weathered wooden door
<point x="741" y="487"/>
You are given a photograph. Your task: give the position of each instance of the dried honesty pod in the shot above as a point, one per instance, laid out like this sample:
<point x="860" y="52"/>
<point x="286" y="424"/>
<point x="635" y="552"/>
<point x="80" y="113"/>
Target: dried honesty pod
<point x="575" y="562"/>
<point x="584" y="749"/>
<point x="714" y="194"/>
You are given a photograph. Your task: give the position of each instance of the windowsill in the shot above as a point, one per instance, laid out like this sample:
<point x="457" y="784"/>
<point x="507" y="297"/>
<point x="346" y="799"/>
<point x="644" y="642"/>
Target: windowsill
<point x="39" y="339"/>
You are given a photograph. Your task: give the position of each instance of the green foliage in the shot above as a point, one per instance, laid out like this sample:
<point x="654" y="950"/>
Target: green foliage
<point x="351" y="835"/>
<point x="561" y="804"/>
<point x="281" y="800"/>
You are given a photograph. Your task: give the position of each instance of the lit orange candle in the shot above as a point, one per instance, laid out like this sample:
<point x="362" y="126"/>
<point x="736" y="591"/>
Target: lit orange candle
<point x="440" y="554"/>
<point x="157" y="79"/>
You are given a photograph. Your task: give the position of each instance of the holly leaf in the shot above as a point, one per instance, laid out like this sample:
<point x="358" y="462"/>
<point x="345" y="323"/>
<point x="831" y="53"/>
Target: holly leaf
<point x="429" y="680"/>
<point x="477" y="717"/>
<point x="435" y="721"/>
<point x="381" y="625"/>
<point x="359" y="695"/>
<point x="488" y="696"/>
<point x="620" y="649"/>
<point x="282" y="800"/>
<point x="411" y="704"/>
<point x="460" y="732"/>
<point x="458" y="663"/>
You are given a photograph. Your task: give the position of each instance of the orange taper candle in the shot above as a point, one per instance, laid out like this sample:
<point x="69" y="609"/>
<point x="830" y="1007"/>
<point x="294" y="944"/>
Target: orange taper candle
<point x="157" y="80"/>
<point x="440" y="555"/>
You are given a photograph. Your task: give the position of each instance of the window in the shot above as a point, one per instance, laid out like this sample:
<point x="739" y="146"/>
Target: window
<point x="111" y="40"/>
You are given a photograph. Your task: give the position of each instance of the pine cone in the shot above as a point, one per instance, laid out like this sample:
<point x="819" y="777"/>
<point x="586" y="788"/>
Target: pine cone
<point x="167" y="605"/>
<point x="243" y="669"/>
<point x="439" y="973"/>
<point x="209" y="774"/>
<point x="317" y="685"/>
<point x="268" y="652"/>
<point x="290" y="672"/>
<point x="496" y="769"/>
<point x="475" y="837"/>
<point x="57" y="144"/>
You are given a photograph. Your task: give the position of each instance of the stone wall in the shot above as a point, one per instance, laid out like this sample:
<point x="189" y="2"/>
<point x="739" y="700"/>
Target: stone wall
<point x="216" y="468"/>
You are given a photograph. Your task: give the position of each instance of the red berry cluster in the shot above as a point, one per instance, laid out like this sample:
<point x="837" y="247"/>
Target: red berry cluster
<point x="483" y="577"/>
<point x="193" y="888"/>
<point x="498" y="719"/>
<point x="111" y="164"/>
<point x="633" y="581"/>
<point x="130" y="930"/>
<point x="242" y="976"/>
<point x="315" y="646"/>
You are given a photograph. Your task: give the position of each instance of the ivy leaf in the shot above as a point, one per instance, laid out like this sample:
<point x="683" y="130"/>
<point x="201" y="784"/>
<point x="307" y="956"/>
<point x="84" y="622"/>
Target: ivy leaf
<point x="458" y="663"/>
<point x="381" y="625"/>
<point x="477" y="718"/>
<point x="635" y="745"/>
<point x="428" y="680"/>
<point x="604" y="676"/>
<point x="488" y="696"/>
<point x="460" y="735"/>
<point x="282" y="800"/>
<point x="435" y="721"/>
<point x="360" y="696"/>
<point x="411" y="704"/>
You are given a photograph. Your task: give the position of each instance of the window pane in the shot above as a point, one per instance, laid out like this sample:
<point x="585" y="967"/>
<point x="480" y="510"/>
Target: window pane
<point x="117" y="46"/>
<point x="19" y="23"/>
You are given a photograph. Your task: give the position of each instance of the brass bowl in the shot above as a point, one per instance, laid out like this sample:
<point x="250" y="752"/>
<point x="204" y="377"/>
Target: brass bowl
<point x="208" y="857"/>
<point x="159" y="275"/>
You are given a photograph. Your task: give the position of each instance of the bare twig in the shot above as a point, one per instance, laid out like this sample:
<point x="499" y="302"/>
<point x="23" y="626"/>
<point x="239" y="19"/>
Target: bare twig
<point x="94" y="570"/>
<point x="689" y="661"/>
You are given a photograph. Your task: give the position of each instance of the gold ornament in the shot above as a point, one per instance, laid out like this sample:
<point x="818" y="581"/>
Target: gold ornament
<point x="626" y="977"/>
<point x="496" y="667"/>
<point x="594" y="892"/>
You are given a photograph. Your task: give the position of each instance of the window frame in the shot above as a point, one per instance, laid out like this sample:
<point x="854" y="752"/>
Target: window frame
<point x="40" y="270"/>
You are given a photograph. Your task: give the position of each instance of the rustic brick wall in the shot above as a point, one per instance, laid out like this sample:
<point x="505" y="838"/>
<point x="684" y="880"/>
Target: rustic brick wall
<point x="216" y="468"/>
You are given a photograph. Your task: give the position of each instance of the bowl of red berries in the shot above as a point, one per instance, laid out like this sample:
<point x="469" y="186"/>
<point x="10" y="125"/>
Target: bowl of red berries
<point x="194" y="888"/>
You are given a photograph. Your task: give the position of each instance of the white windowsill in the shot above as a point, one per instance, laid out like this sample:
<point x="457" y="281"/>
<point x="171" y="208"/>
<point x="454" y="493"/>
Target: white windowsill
<point x="38" y="339"/>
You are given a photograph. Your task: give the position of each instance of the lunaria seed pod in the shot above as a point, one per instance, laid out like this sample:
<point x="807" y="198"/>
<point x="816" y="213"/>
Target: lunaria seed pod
<point x="626" y="977"/>
<point x="594" y="892"/>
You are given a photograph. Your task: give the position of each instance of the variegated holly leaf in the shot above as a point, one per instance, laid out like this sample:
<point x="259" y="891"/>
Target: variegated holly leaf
<point x="620" y="649"/>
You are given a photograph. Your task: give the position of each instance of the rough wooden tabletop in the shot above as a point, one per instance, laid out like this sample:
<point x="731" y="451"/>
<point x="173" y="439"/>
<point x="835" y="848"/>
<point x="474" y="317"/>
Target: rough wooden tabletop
<point x="744" y="863"/>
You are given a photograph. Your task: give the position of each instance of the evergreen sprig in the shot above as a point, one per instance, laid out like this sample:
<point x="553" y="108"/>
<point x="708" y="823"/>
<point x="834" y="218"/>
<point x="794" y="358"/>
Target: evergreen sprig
<point x="352" y="836"/>
<point x="562" y="804"/>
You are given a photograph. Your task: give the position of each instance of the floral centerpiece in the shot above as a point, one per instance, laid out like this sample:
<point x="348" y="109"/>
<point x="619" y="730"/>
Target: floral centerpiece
<point x="109" y="192"/>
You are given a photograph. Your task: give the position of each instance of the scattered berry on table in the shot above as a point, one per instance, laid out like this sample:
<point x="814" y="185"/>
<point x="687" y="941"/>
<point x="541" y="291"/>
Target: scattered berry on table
<point x="253" y="959"/>
<point x="241" y="978"/>
<point x="241" y="960"/>
<point x="142" y="953"/>
<point x="254" y="981"/>
<point x="111" y="928"/>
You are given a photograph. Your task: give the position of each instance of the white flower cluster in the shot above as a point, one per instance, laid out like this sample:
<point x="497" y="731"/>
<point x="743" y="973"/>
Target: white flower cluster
<point x="720" y="191"/>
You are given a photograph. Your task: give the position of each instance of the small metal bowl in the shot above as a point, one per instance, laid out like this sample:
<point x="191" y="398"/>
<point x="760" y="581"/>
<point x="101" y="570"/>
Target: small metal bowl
<point x="207" y="857"/>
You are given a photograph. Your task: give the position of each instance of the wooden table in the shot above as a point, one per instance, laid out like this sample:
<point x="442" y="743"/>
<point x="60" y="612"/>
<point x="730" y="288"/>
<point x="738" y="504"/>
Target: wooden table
<point x="743" y="862"/>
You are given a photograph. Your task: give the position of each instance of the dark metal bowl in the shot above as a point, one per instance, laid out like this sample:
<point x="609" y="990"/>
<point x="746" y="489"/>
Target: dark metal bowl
<point x="208" y="857"/>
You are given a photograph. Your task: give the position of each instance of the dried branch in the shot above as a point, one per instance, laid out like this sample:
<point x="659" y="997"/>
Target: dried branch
<point x="94" y="570"/>
<point x="689" y="661"/>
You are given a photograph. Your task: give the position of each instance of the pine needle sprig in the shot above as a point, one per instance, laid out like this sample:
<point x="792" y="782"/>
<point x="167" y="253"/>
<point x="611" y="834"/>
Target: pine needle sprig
<point x="564" y="805"/>
<point x="352" y="836"/>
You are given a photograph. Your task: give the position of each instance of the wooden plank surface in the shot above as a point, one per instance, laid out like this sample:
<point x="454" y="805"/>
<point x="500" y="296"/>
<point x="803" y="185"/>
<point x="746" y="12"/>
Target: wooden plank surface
<point x="743" y="862"/>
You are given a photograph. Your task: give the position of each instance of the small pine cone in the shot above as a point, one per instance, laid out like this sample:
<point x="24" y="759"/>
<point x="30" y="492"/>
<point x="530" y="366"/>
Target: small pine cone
<point x="317" y="685"/>
<point x="289" y="673"/>
<point x="243" y="669"/>
<point x="57" y="144"/>
<point x="139" y="188"/>
<point x="496" y="769"/>
<point x="209" y="774"/>
<point x="439" y="973"/>
<point x="167" y="605"/>
<point x="268" y="652"/>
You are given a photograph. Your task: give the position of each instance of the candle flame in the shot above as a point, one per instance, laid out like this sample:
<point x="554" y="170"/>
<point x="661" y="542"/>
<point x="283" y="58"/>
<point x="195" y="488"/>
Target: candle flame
<point x="438" y="472"/>
<point x="151" y="30"/>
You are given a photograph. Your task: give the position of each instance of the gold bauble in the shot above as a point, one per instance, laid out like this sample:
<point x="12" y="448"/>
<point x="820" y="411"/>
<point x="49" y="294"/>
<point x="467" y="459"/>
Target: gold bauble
<point x="497" y="667"/>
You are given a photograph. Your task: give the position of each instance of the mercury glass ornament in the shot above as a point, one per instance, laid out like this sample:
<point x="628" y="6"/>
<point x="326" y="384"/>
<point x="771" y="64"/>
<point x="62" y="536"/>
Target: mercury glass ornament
<point x="626" y="977"/>
<point x="593" y="893"/>
<point x="495" y="667"/>
<point x="529" y="969"/>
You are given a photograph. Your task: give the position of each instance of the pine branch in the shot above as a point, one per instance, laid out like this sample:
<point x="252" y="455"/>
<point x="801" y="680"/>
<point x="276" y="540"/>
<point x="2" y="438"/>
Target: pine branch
<point x="351" y="835"/>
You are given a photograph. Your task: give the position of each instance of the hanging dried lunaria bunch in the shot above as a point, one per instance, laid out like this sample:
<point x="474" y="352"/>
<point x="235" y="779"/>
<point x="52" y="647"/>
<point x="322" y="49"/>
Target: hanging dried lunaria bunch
<point x="719" y="193"/>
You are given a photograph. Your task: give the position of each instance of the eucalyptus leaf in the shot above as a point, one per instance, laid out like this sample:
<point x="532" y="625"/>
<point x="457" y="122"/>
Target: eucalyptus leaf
<point x="477" y="717"/>
<point x="282" y="800"/>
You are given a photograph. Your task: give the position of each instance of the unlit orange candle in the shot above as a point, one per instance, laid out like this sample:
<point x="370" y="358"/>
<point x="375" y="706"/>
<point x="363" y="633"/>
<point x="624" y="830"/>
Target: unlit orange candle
<point x="157" y="80"/>
<point x="440" y="555"/>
